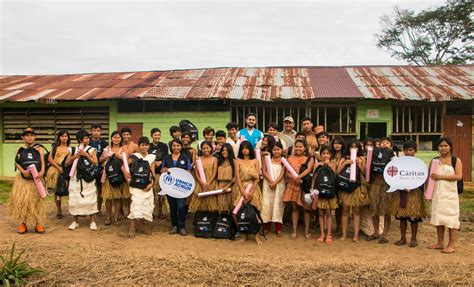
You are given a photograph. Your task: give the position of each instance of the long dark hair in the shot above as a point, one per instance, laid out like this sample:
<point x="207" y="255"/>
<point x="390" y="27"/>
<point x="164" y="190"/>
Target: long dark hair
<point x="447" y="140"/>
<point x="59" y="134"/>
<point x="270" y="143"/>
<point x="347" y="151"/>
<point x="247" y="145"/>
<point x="230" y="157"/>
<point x="277" y="144"/>
<point x="112" y="135"/>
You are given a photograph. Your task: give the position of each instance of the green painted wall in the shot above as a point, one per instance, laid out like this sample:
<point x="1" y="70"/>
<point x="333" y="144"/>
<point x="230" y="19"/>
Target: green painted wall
<point x="7" y="150"/>
<point x="385" y="113"/>
<point x="472" y="146"/>
<point x="164" y="120"/>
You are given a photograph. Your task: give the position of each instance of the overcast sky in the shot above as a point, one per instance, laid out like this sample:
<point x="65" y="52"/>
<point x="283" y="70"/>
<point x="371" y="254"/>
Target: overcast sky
<point x="58" y="37"/>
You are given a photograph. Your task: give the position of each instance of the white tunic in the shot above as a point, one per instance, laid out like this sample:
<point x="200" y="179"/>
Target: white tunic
<point x="85" y="202"/>
<point x="143" y="202"/>
<point x="445" y="202"/>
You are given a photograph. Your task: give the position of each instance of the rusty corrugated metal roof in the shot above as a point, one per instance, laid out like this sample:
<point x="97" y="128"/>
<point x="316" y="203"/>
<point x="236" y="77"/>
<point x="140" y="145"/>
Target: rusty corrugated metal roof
<point x="434" y="83"/>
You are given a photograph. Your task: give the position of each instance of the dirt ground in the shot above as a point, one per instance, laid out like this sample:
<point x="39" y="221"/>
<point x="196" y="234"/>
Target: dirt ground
<point x="83" y="257"/>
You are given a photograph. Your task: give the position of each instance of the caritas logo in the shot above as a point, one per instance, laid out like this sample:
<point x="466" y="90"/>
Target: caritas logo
<point x="406" y="172"/>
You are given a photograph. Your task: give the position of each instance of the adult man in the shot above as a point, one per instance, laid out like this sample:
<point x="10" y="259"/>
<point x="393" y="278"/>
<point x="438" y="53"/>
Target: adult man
<point x="288" y="134"/>
<point x="307" y="127"/>
<point x="232" y="139"/>
<point x="250" y="133"/>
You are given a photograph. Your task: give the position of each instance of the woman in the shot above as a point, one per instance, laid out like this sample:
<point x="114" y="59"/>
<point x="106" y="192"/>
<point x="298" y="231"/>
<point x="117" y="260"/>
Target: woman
<point x="445" y="202"/>
<point x="293" y="193"/>
<point x="246" y="172"/>
<point x="225" y="177"/>
<point x="113" y="195"/>
<point x="177" y="205"/>
<point x="209" y="165"/>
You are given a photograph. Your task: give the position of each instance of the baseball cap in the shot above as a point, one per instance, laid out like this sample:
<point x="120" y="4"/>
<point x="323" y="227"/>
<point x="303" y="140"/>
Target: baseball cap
<point x="28" y="131"/>
<point x="289" y="119"/>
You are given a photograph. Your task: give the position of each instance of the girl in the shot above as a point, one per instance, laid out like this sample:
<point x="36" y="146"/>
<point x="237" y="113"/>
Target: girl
<point x="209" y="164"/>
<point x="445" y="202"/>
<point x="225" y="176"/>
<point x="26" y="206"/>
<point x="273" y="190"/>
<point x="177" y="205"/>
<point x="293" y="192"/>
<point x="407" y="205"/>
<point x="246" y="172"/>
<point x="113" y="195"/>
<point x="380" y="201"/>
<point x="142" y="205"/>
<point x="358" y="197"/>
<point x="366" y="225"/>
<point x="56" y="158"/>
<point x="325" y="205"/>
<point x="338" y="146"/>
<point x="82" y="194"/>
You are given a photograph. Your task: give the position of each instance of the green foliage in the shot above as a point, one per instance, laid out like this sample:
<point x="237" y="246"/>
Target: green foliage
<point x="14" y="270"/>
<point x="441" y="36"/>
<point x="5" y="189"/>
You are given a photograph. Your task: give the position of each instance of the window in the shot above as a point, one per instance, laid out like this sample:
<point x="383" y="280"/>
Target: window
<point x="418" y="122"/>
<point x="337" y="119"/>
<point x="46" y="121"/>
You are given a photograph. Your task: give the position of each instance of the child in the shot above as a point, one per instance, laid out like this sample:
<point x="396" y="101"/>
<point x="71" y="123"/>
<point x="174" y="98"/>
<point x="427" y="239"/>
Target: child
<point x="325" y="205"/>
<point x="366" y="225"/>
<point x="338" y="147"/>
<point x="273" y="190"/>
<point x="187" y="148"/>
<point x="380" y="200"/>
<point x="246" y="172"/>
<point x="208" y="134"/>
<point x="113" y="194"/>
<point x="233" y="140"/>
<point x="177" y="206"/>
<point x="220" y="141"/>
<point x="160" y="150"/>
<point x="293" y="187"/>
<point x="56" y="159"/>
<point x="357" y="198"/>
<point x="175" y="133"/>
<point x="99" y="145"/>
<point x="445" y="202"/>
<point x="142" y="205"/>
<point x="128" y="146"/>
<point x="209" y="164"/>
<point x="26" y="206"/>
<point x="83" y="194"/>
<point x="225" y="176"/>
<point x="408" y="205"/>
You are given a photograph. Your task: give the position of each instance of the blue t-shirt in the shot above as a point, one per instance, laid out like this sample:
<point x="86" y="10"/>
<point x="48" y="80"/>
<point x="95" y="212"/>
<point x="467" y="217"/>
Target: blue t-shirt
<point x="252" y="138"/>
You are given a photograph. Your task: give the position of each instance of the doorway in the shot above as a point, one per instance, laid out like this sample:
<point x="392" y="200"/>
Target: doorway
<point x="137" y="130"/>
<point x="373" y="130"/>
<point x="458" y="129"/>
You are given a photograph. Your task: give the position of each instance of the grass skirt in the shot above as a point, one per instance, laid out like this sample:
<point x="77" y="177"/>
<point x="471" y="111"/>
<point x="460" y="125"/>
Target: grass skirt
<point x="257" y="196"/>
<point x="328" y="203"/>
<point x="380" y="199"/>
<point x="414" y="207"/>
<point x="161" y="202"/>
<point x="110" y="192"/>
<point x="26" y="206"/>
<point x="357" y="198"/>
<point x="224" y="201"/>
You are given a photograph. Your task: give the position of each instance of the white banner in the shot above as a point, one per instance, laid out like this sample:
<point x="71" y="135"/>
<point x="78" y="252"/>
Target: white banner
<point x="177" y="183"/>
<point x="406" y="172"/>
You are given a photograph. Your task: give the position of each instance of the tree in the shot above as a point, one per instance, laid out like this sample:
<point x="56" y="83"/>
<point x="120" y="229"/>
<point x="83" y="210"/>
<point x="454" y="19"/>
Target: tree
<point x="440" y="36"/>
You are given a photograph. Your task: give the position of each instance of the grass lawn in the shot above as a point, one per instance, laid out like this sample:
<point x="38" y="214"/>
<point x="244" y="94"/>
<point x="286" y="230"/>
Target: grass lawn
<point x="5" y="188"/>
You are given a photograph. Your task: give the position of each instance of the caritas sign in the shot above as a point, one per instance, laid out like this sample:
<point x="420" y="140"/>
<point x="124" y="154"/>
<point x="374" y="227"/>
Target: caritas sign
<point x="406" y="172"/>
<point x="177" y="183"/>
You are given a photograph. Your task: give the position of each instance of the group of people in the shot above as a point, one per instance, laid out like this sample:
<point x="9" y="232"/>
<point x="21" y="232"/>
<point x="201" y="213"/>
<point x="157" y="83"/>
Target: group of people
<point x="125" y="175"/>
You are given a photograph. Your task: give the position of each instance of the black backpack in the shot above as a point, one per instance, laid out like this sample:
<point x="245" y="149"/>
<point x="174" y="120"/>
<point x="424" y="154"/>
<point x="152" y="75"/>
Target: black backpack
<point x="307" y="180"/>
<point x="86" y="170"/>
<point x="381" y="157"/>
<point x="343" y="179"/>
<point x="187" y="126"/>
<point x="224" y="227"/>
<point x="325" y="182"/>
<point x="460" y="183"/>
<point x="249" y="220"/>
<point x="114" y="172"/>
<point x="67" y="169"/>
<point x="204" y="222"/>
<point x="28" y="156"/>
<point x="140" y="172"/>
<point x="61" y="186"/>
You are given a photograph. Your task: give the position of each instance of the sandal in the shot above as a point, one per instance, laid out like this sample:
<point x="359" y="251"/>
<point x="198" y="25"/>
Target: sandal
<point x="329" y="240"/>
<point x="307" y="235"/>
<point x="321" y="239"/>
<point x="400" y="242"/>
<point x="108" y="221"/>
<point x="413" y="244"/>
<point x="372" y="237"/>
<point x="117" y="222"/>
<point x="22" y="229"/>
<point x="39" y="229"/>
<point x="278" y="233"/>
<point x="383" y="240"/>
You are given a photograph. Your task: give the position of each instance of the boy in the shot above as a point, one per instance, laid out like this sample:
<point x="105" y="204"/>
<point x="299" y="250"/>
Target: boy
<point x="220" y="141"/>
<point x="233" y="140"/>
<point x="142" y="176"/>
<point x="160" y="150"/>
<point x="99" y="145"/>
<point x="128" y="146"/>
<point x="408" y="205"/>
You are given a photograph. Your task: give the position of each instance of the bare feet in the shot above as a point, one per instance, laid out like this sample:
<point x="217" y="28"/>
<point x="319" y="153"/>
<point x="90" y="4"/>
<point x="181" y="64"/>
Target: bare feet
<point x="343" y="238"/>
<point x="321" y="239"/>
<point x="307" y="235"/>
<point x="293" y="235"/>
<point x="244" y="238"/>
<point x="436" y="246"/>
<point x="448" y="250"/>
<point x="257" y="239"/>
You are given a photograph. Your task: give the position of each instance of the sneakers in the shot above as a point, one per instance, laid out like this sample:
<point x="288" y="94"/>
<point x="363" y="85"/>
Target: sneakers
<point x="93" y="226"/>
<point x="173" y="230"/>
<point x="22" y="229"/>
<point x="74" y="225"/>
<point x="39" y="229"/>
<point x="183" y="232"/>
